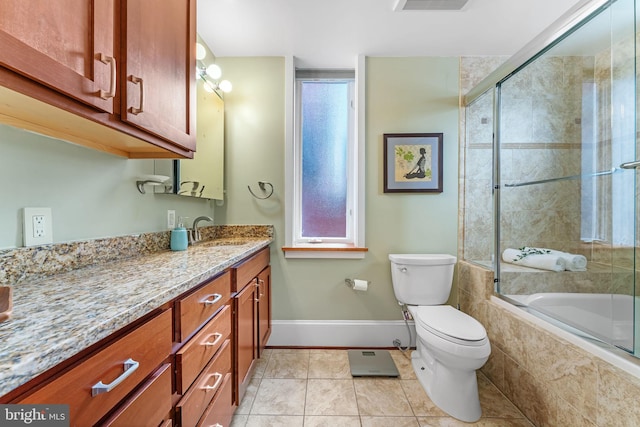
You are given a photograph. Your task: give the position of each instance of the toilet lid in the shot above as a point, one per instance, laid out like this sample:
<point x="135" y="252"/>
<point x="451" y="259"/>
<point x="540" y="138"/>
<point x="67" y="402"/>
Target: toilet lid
<point x="450" y="324"/>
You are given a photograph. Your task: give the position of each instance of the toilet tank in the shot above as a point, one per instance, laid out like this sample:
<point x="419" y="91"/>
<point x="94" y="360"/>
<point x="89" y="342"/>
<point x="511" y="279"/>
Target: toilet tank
<point x="422" y="279"/>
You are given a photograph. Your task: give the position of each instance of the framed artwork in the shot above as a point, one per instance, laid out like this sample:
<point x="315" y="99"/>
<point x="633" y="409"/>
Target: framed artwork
<point x="413" y="162"/>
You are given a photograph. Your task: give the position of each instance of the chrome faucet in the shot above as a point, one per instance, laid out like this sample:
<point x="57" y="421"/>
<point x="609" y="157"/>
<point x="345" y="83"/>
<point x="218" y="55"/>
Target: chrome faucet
<point x="195" y="233"/>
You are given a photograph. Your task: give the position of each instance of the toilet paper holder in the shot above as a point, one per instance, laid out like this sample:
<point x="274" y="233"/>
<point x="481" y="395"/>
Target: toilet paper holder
<point x="357" y="284"/>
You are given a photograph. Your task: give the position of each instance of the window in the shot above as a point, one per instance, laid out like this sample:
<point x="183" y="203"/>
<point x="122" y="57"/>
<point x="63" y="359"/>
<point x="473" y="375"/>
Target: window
<point x="324" y="176"/>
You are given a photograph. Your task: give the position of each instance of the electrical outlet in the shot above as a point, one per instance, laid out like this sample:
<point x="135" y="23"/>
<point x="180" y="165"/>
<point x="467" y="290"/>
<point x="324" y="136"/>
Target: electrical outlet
<point x="37" y="226"/>
<point x="171" y="219"/>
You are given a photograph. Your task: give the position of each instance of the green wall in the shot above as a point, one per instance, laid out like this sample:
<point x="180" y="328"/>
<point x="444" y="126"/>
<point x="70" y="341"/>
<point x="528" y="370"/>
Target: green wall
<point x="404" y="95"/>
<point x="92" y="194"/>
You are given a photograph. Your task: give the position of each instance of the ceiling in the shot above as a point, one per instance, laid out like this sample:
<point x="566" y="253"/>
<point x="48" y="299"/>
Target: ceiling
<point x="330" y="33"/>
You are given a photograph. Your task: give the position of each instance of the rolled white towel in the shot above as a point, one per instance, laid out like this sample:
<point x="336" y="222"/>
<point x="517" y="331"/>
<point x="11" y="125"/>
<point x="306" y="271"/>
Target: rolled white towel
<point x="535" y="258"/>
<point x="574" y="262"/>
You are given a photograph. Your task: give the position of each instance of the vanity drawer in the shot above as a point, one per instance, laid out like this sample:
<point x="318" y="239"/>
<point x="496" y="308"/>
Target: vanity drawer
<point x="121" y="366"/>
<point x="194" y="356"/>
<point x="248" y="269"/>
<point x="196" y="308"/>
<point x="221" y="410"/>
<point x="149" y="406"/>
<point x="191" y="407"/>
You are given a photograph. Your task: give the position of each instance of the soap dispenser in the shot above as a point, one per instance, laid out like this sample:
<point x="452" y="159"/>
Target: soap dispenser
<point x="179" y="237"/>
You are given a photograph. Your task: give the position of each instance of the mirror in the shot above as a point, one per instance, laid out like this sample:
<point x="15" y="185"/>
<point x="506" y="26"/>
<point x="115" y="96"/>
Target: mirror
<point x="202" y="176"/>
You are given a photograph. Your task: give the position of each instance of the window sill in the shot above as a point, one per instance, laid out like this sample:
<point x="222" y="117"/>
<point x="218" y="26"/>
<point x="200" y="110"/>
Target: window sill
<point x="325" y="251"/>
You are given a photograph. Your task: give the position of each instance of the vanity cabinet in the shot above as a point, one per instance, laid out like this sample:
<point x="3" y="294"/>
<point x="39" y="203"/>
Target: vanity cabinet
<point x="252" y="305"/>
<point x="66" y="45"/>
<point x="185" y="364"/>
<point x="158" y="88"/>
<point x="203" y="326"/>
<point x="263" y="308"/>
<point x="114" y="75"/>
<point x="96" y="384"/>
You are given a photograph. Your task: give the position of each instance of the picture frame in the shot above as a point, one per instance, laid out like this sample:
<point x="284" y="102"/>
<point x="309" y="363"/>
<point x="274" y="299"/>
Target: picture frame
<point x="413" y="162"/>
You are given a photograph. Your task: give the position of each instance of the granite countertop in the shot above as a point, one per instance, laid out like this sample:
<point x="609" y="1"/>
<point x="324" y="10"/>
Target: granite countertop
<point x="57" y="316"/>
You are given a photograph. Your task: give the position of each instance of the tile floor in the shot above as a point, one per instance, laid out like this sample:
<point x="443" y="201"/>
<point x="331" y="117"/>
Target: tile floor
<point x="313" y="388"/>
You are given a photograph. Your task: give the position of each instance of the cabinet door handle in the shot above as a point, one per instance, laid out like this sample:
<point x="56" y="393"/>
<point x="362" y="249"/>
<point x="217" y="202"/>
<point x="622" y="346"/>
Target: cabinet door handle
<point x="138" y="81"/>
<point x="207" y="301"/>
<point x="214" y="342"/>
<point x="257" y="299"/>
<point x="260" y="282"/>
<point x="112" y="86"/>
<point x="215" y="385"/>
<point x="130" y="366"/>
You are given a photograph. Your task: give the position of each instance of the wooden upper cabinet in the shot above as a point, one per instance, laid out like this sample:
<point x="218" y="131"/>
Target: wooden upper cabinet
<point x="158" y="90"/>
<point x="66" y="45"/>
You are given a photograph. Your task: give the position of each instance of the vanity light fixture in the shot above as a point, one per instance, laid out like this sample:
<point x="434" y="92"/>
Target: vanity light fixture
<point x="211" y="73"/>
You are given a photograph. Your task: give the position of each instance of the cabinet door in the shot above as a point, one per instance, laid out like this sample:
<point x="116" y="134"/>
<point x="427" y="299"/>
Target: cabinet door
<point x="67" y="45"/>
<point x="264" y="308"/>
<point x="245" y="336"/>
<point x="159" y="68"/>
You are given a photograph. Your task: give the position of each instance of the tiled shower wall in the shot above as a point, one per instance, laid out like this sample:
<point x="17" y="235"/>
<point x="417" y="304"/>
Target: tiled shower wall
<point x="542" y="137"/>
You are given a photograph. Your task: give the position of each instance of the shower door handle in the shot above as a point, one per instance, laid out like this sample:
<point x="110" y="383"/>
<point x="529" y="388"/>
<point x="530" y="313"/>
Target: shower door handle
<point x="630" y="165"/>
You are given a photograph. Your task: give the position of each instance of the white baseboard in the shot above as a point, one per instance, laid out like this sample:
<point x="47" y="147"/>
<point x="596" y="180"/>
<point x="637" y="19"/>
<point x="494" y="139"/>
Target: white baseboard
<point x="340" y="333"/>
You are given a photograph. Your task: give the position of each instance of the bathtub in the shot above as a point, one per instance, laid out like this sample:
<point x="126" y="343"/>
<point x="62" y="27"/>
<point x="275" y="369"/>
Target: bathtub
<point x="607" y="317"/>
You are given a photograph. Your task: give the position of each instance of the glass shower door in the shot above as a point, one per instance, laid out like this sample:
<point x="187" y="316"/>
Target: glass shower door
<point x="622" y="236"/>
<point x="566" y="124"/>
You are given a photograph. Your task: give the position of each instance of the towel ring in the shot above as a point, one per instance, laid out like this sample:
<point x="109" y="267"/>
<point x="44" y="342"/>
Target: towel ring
<point x="262" y="185"/>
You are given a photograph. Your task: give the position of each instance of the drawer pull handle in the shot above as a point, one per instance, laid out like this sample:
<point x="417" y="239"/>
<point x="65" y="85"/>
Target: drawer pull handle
<point x="130" y="366"/>
<point x="216" y="384"/>
<point x="207" y="301"/>
<point x="112" y="86"/>
<point x="215" y="341"/>
<point x="138" y="81"/>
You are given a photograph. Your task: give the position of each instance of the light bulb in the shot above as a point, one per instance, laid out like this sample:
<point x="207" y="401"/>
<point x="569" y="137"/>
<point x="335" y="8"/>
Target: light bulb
<point x="201" y="52"/>
<point x="214" y="71"/>
<point x="225" y="86"/>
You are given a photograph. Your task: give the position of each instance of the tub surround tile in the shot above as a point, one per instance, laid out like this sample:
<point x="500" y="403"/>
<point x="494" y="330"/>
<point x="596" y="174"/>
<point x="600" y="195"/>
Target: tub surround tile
<point x="552" y="381"/>
<point x="494" y="368"/>
<point x="56" y="316"/>
<point x="570" y="416"/>
<point x="494" y="404"/>
<point x="536" y="402"/>
<point x="618" y="397"/>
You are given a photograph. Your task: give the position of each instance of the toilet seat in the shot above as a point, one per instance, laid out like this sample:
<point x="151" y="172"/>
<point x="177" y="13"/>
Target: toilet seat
<point x="450" y="324"/>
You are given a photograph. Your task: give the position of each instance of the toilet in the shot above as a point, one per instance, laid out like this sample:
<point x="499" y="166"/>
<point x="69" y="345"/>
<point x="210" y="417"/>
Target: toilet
<point x="451" y="345"/>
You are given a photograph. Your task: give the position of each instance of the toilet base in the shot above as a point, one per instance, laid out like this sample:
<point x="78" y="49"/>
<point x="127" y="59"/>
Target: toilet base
<point x="453" y="391"/>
